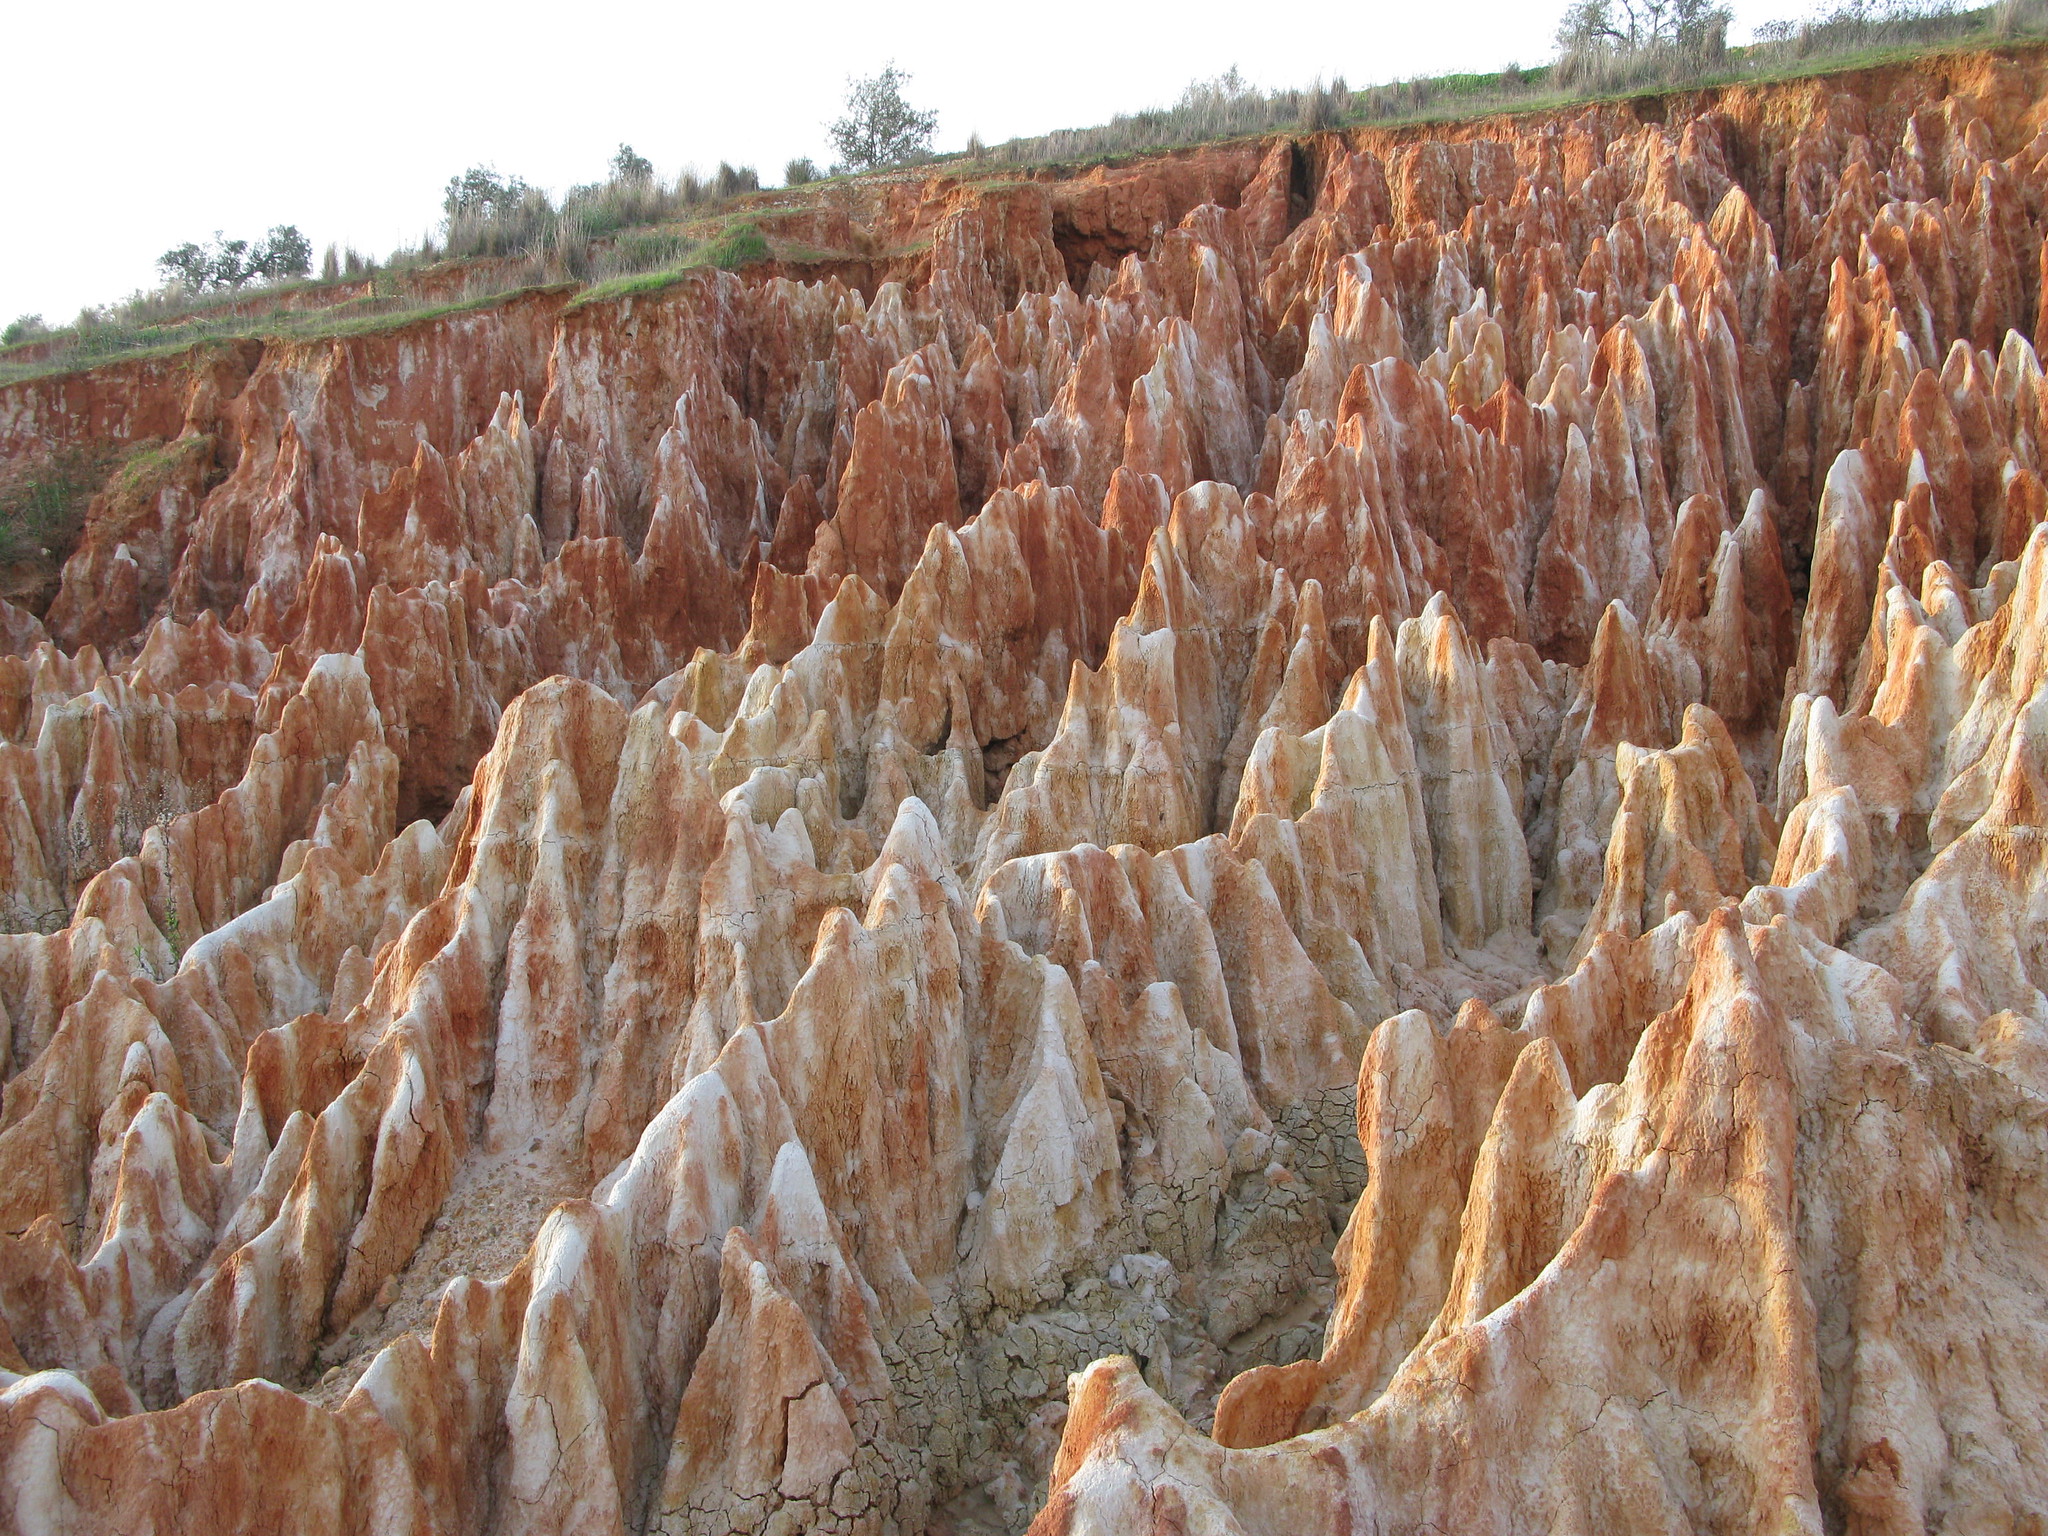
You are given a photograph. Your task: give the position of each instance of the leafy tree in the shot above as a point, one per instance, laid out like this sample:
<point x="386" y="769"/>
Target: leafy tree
<point x="224" y="264"/>
<point x="627" y="165"/>
<point x="23" y="328"/>
<point x="187" y="265"/>
<point x="880" y="127"/>
<point x="230" y="263"/>
<point x="284" y="253"/>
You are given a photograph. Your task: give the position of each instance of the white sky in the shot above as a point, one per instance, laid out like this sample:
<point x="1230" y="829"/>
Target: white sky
<point x="134" y="127"/>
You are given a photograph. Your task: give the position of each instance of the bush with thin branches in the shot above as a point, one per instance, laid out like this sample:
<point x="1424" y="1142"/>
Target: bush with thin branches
<point x="880" y="128"/>
<point x="1617" y="45"/>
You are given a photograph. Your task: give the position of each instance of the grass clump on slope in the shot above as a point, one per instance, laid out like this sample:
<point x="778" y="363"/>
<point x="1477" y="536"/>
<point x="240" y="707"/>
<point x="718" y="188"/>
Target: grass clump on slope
<point x="738" y="245"/>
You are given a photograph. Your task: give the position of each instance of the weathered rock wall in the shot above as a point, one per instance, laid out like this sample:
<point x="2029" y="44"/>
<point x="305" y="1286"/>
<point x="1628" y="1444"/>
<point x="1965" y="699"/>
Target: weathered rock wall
<point x="1391" y="784"/>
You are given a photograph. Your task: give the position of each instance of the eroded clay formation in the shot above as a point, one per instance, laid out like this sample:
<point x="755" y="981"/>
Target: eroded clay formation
<point x="1393" y="786"/>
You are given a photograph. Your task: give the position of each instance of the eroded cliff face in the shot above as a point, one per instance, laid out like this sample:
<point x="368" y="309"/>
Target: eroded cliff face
<point x="1395" y="787"/>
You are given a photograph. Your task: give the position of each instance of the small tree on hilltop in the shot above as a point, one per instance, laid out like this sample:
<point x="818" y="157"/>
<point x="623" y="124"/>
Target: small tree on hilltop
<point x="284" y="253"/>
<point x="187" y="265"/>
<point x="228" y="264"/>
<point x="629" y="165"/>
<point x="880" y="127"/>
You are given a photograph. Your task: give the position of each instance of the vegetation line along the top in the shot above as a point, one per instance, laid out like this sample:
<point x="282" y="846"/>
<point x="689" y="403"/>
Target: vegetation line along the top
<point x="633" y="232"/>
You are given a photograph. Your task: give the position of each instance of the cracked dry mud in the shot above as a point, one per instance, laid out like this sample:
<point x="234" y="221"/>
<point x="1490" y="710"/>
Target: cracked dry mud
<point x="1383" y="795"/>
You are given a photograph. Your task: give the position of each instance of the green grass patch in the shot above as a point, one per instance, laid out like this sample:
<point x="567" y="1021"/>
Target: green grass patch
<point x="737" y="245"/>
<point x="634" y="285"/>
<point x="149" y="466"/>
<point x="741" y="245"/>
<point x="43" y="497"/>
<point x="647" y="250"/>
<point x="325" y="325"/>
